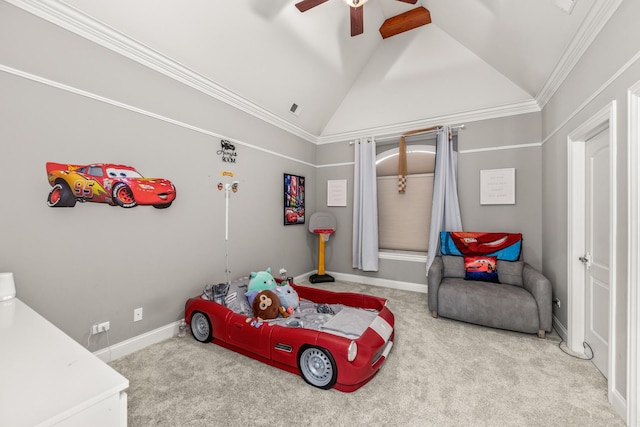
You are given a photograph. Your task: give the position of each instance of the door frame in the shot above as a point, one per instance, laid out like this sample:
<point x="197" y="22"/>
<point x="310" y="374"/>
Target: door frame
<point x="633" y="321"/>
<point x="576" y="155"/>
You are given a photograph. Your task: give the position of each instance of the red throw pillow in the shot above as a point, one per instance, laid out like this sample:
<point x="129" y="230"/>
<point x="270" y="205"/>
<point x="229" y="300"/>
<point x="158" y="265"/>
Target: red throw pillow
<point x="482" y="268"/>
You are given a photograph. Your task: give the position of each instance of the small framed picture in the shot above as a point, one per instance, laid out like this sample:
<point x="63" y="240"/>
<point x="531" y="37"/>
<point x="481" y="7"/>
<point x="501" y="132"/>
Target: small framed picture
<point x="293" y="199"/>
<point x="498" y="186"/>
<point x="337" y="192"/>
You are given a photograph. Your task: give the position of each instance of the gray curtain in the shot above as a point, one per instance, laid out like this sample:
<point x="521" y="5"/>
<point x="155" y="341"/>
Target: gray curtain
<point x="365" y="206"/>
<point x="445" y="211"/>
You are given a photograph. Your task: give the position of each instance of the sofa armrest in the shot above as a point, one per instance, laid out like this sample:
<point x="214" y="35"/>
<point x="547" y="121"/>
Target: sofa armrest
<point x="434" y="277"/>
<point x="540" y="287"/>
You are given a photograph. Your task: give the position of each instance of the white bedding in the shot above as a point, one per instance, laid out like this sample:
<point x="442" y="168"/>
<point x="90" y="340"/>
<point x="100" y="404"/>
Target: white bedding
<point x="350" y="322"/>
<point x="345" y="321"/>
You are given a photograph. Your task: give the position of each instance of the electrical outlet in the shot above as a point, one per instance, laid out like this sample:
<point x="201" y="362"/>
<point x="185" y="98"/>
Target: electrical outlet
<point x="100" y="327"/>
<point x="283" y="273"/>
<point x="137" y="314"/>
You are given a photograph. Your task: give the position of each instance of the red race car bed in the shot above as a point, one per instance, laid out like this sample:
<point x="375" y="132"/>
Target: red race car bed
<point x="333" y="339"/>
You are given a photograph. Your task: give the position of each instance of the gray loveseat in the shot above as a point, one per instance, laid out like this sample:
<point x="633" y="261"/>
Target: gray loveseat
<point x="520" y="302"/>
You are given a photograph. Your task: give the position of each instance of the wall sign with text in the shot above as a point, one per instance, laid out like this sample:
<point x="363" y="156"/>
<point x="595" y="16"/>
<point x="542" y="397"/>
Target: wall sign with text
<point x="227" y="151"/>
<point x="498" y="186"/>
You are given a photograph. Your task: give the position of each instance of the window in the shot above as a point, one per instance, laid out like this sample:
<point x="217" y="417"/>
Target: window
<point x="404" y="219"/>
<point x="95" y="171"/>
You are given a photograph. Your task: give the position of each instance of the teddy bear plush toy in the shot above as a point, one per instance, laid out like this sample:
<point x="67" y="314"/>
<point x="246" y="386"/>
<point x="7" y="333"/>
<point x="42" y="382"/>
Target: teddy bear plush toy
<point x="266" y="305"/>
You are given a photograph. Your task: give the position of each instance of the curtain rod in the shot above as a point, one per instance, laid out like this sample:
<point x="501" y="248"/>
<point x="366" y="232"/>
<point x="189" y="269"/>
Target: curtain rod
<point x="397" y="137"/>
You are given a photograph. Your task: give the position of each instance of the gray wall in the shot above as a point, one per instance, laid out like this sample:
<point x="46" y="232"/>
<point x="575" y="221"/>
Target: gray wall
<point x="95" y="262"/>
<point x="509" y="142"/>
<point x="602" y="75"/>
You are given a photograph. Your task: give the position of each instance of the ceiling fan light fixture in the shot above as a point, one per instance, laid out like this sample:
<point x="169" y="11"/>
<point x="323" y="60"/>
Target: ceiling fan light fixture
<point x="355" y="3"/>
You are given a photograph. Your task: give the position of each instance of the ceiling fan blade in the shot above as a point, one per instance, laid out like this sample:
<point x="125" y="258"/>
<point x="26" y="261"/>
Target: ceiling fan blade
<point x="357" y="20"/>
<point x="409" y="1"/>
<point x="305" y="5"/>
<point x="405" y="21"/>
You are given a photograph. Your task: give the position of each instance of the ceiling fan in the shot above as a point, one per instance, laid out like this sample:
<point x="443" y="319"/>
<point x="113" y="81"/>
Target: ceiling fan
<point x="357" y="24"/>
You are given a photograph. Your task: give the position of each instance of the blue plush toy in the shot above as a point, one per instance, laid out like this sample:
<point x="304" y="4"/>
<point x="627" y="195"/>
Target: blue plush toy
<point x="260" y="281"/>
<point x="289" y="298"/>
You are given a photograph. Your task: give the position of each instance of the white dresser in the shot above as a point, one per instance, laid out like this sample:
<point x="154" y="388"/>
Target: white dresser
<point x="46" y="378"/>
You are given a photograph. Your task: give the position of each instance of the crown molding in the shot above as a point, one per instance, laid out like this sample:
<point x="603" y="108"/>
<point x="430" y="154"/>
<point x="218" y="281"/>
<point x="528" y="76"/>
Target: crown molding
<point x="596" y="19"/>
<point x="73" y="20"/>
<point x="118" y="104"/>
<point x="395" y="130"/>
<point x="635" y="58"/>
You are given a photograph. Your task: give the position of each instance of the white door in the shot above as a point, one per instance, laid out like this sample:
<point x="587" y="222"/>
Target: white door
<point x="596" y="259"/>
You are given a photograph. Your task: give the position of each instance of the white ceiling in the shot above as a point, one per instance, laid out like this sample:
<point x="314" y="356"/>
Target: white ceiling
<point x="476" y="56"/>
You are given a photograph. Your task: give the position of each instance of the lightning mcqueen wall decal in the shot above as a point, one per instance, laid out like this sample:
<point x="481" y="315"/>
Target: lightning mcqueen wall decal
<point x="114" y="184"/>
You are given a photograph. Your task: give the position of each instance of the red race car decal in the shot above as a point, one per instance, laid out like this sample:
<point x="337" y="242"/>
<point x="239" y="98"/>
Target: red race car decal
<point x="114" y="184"/>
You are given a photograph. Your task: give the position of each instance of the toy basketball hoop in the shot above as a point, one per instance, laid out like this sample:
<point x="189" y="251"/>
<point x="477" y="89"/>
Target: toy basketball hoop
<point x="324" y="225"/>
<point x="324" y="232"/>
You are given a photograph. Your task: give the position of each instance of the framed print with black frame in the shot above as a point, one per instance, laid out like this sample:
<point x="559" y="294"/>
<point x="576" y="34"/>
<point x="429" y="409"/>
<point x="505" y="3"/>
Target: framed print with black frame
<point x="293" y="199"/>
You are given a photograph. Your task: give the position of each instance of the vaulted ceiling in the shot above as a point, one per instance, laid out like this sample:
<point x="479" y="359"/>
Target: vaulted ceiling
<point x="476" y="58"/>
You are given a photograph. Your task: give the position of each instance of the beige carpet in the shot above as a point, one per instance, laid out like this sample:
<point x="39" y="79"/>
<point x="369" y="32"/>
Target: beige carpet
<point x="439" y="373"/>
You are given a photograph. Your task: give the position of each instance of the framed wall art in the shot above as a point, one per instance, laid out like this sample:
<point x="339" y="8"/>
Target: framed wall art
<point x="293" y="199"/>
<point x="498" y="186"/>
<point x="337" y="192"/>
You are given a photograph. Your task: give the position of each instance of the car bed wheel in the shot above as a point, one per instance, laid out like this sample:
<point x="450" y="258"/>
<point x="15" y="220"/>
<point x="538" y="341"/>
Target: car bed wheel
<point x="61" y="196"/>
<point x="317" y="367"/>
<point x="123" y="196"/>
<point x="201" y="327"/>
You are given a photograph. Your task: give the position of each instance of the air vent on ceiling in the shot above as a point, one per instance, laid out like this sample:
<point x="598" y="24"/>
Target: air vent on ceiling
<point x="295" y="109"/>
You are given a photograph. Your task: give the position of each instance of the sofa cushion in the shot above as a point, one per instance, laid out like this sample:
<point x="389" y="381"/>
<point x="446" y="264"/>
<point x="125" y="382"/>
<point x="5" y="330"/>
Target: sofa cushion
<point x="453" y="266"/>
<point x="481" y="268"/>
<point x="489" y="304"/>
<point x="510" y="272"/>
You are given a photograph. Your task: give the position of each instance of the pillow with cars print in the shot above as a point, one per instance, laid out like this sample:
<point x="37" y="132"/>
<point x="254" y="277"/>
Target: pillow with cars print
<point x="481" y="268"/>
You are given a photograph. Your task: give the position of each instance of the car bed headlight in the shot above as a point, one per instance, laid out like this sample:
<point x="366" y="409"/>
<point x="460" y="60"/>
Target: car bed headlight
<point x="352" y="352"/>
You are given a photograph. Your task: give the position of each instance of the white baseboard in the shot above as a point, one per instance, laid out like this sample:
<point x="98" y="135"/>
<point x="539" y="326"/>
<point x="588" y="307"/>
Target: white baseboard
<point x="139" y="342"/>
<point x="560" y="329"/>
<point x="619" y="404"/>
<point x="374" y="281"/>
